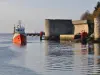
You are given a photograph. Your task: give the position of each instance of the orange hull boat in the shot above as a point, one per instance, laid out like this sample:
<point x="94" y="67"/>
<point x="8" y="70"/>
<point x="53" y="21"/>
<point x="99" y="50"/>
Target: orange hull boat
<point x="19" y="39"/>
<point x="19" y="36"/>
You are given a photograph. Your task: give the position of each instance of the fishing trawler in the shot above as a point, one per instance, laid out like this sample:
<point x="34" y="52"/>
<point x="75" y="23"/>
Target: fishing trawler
<point x="19" y="36"/>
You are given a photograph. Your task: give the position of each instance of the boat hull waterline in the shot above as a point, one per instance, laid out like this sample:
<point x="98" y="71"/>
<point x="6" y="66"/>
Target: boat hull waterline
<point x="19" y="39"/>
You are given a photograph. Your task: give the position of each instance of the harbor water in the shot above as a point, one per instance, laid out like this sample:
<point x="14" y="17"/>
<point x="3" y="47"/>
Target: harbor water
<point x="48" y="57"/>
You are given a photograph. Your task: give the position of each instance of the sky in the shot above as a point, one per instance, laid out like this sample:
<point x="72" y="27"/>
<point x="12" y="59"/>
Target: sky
<point x="33" y="13"/>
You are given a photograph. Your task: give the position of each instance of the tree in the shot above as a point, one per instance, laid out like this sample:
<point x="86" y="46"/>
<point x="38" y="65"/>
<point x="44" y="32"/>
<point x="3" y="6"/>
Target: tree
<point x="85" y="15"/>
<point x="96" y="11"/>
<point x="90" y="17"/>
<point x="97" y="6"/>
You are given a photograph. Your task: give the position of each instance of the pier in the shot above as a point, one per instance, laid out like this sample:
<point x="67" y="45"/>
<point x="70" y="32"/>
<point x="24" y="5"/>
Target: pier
<point x="34" y="34"/>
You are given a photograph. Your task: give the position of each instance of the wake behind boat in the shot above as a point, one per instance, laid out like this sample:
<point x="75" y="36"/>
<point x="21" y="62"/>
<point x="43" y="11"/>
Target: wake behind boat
<point x="19" y="36"/>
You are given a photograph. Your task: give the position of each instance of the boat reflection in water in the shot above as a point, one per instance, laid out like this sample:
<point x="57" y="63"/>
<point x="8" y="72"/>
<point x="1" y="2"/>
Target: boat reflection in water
<point x="72" y="58"/>
<point x="19" y="45"/>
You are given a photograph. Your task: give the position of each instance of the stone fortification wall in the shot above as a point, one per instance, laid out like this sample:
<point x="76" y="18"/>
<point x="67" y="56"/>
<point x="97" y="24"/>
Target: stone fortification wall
<point x="80" y="25"/>
<point x="56" y="27"/>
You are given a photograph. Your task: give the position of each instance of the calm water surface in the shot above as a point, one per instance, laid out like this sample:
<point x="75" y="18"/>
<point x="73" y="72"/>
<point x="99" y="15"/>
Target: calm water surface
<point x="48" y="57"/>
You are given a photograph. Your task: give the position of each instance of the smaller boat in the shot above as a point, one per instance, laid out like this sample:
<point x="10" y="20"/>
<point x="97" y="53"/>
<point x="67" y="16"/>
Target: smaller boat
<point x="19" y="36"/>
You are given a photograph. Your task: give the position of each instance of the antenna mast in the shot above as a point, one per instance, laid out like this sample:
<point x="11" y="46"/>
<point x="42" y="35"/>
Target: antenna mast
<point x="14" y="28"/>
<point x="19" y="22"/>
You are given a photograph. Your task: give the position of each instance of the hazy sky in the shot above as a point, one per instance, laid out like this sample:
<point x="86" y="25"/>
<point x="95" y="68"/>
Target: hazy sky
<point x="34" y="12"/>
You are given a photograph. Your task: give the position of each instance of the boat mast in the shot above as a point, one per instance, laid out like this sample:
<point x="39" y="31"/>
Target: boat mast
<point x="19" y="23"/>
<point x="14" y="28"/>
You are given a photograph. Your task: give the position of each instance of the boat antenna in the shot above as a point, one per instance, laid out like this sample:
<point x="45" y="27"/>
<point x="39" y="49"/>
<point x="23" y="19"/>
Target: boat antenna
<point x="14" y="28"/>
<point x="19" y="23"/>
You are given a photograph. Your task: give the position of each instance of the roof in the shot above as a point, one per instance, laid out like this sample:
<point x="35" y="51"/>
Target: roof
<point x="77" y="22"/>
<point x="59" y="19"/>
